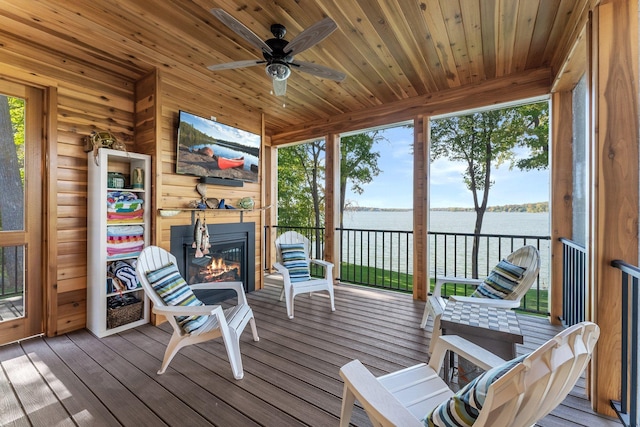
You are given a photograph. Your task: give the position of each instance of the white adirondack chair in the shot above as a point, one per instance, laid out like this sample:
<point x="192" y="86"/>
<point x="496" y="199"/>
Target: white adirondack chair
<point x="527" y="257"/>
<point x="291" y="288"/>
<point x="524" y="394"/>
<point x="226" y="323"/>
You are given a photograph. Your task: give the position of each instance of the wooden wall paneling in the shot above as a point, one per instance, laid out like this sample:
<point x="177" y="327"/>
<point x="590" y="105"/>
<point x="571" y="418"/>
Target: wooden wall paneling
<point x="77" y="105"/>
<point x="50" y="247"/>
<point x="72" y="307"/>
<point x="421" y="161"/>
<point x="615" y="208"/>
<point x="561" y="202"/>
<point x="176" y="191"/>
<point x="83" y="105"/>
<point x="147" y="130"/>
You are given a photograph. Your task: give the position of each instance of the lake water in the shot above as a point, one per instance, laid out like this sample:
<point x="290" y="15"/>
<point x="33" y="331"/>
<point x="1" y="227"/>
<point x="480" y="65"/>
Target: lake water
<point x="394" y="250"/>
<point x="520" y="223"/>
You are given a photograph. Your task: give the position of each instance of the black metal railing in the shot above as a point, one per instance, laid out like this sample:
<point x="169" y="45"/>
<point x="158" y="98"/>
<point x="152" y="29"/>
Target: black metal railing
<point x="451" y="254"/>
<point x="627" y="406"/>
<point x="574" y="283"/>
<point x="384" y="258"/>
<point x="378" y="258"/>
<point x="11" y="268"/>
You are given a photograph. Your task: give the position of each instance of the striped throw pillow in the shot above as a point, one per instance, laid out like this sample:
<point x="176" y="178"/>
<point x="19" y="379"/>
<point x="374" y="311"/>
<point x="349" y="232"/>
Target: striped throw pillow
<point x="501" y="282"/>
<point x="463" y="408"/>
<point x="173" y="290"/>
<point x="294" y="259"/>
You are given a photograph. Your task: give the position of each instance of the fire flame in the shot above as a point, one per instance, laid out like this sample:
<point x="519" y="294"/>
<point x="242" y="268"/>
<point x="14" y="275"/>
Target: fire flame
<point x="217" y="266"/>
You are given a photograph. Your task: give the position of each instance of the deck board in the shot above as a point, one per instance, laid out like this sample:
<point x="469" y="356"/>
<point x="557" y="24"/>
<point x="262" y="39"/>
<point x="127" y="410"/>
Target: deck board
<point x="291" y="374"/>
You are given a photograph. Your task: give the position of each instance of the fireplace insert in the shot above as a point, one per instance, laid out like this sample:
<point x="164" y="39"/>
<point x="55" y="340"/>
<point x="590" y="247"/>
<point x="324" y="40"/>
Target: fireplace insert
<point x="231" y="258"/>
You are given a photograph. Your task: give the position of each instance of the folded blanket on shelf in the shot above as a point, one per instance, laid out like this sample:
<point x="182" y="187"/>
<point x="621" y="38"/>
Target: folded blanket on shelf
<point x="114" y="240"/>
<point x="125" y="230"/>
<point x="125" y="216"/>
<point x="123" y="201"/>
<point x="125" y="273"/>
<point x="120" y="196"/>
<point x="125" y="206"/>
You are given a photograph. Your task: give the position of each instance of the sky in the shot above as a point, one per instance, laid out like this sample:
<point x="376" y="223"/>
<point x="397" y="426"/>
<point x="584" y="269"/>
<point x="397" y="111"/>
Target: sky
<point x="394" y="186"/>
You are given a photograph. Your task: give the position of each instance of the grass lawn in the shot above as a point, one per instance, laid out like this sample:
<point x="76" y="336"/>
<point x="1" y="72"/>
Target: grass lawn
<point x="534" y="301"/>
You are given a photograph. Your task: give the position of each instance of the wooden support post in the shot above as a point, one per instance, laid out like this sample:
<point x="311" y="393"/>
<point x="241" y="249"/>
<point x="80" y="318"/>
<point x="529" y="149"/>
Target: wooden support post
<point x="332" y="202"/>
<point x="613" y="183"/>
<point x="561" y="200"/>
<point x="421" y="133"/>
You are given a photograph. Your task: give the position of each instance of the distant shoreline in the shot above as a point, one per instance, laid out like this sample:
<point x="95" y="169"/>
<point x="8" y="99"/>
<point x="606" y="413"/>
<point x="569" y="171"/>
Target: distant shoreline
<point x="537" y="207"/>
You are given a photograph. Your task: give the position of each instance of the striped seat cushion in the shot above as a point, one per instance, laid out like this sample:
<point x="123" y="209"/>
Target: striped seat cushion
<point x="295" y="260"/>
<point x="463" y="408"/>
<point x="173" y="290"/>
<point x="501" y="282"/>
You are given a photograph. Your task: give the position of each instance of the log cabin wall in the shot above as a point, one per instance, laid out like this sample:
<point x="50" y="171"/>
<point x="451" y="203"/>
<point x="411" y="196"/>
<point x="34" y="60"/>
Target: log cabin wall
<point x="84" y="98"/>
<point x="89" y="97"/>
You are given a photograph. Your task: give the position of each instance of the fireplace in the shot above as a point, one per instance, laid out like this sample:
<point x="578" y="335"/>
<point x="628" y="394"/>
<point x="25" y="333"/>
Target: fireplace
<point x="231" y="257"/>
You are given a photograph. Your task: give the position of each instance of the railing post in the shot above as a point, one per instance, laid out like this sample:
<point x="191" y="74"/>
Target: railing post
<point x="627" y="407"/>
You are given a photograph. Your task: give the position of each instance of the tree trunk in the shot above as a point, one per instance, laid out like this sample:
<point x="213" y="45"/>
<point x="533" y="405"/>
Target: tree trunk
<point x="12" y="200"/>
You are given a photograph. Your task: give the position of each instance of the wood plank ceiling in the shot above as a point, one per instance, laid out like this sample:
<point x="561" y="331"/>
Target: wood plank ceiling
<point x="389" y="50"/>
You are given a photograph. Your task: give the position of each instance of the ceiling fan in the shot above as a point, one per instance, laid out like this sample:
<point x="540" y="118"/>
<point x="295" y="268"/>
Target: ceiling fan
<point x="278" y="53"/>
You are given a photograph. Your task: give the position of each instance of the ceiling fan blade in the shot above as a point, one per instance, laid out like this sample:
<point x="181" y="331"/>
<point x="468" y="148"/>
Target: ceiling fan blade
<point x="236" y="64"/>
<point x="319" y="70"/>
<point x="311" y="36"/>
<point x="240" y="29"/>
<point x="279" y="87"/>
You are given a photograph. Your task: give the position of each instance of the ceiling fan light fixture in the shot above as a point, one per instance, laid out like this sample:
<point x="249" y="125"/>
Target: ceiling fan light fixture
<point x="278" y="70"/>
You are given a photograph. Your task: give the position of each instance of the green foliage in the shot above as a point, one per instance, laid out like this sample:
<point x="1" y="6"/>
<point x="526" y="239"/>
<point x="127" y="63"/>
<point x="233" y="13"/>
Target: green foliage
<point x="488" y="139"/>
<point x="300" y="170"/>
<point x="358" y="162"/>
<point x="301" y="177"/>
<point x="16" y="111"/>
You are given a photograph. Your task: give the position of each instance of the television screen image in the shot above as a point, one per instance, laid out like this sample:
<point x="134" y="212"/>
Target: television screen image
<point x="207" y="148"/>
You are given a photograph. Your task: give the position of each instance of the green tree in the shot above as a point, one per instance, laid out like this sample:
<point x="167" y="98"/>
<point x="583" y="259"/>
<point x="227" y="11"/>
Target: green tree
<point x="301" y="185"/>
<point x="12" y="180"/>
<point x="488" y="139"/>
<point x="358" y="164"/>
<point x="301" y="177"/>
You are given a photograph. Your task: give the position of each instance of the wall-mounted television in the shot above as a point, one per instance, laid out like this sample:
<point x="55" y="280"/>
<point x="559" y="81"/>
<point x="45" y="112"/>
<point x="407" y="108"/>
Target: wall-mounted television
<point x="207" y="148"/>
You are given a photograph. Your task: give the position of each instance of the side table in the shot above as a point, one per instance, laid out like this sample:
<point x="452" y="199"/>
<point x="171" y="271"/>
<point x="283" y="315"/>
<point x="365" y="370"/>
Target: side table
<point x="494" y="329"/>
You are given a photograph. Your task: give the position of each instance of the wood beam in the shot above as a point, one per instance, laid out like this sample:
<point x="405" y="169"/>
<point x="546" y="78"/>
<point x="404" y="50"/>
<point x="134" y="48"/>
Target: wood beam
<point x="614" y="184"/>
<point x="421" y="136"/>
<point x="561" y="192"/>
<point x="525" y="85"/>
<point x="332" y="202"/>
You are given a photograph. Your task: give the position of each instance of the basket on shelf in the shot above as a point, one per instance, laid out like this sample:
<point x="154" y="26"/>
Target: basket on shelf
<point x="125" y="310"/>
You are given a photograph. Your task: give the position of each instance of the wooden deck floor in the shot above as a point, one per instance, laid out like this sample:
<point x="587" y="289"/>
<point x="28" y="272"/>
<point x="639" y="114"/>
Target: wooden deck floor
<point x="291" y="374"/>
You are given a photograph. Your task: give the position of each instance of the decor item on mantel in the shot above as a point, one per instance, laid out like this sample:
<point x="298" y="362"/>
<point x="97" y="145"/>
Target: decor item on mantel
<point x="246" y="203"/>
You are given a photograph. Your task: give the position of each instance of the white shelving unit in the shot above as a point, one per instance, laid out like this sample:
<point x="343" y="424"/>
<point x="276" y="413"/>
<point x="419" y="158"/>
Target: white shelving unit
<point x="98" y="260"/>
